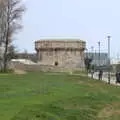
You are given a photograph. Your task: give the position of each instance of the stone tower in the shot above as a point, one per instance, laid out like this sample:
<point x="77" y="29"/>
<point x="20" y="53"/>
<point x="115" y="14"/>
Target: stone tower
<point x="63" y="53"/>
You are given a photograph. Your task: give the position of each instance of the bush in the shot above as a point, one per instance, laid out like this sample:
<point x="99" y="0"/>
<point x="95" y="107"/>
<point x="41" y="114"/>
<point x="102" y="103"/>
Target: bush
<point x="7" y="71"/>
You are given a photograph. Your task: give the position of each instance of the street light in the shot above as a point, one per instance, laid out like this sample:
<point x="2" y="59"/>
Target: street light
<point x="109" y="59"/>
<point x="99" y="51"/>
<point x="92" y="48"/>
<point x="92" y="52"/>
<point x="86" y="52"/>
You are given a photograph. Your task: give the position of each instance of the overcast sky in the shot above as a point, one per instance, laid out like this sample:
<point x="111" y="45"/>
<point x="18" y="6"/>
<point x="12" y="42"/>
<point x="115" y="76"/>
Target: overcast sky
<point x="89" y="20"/>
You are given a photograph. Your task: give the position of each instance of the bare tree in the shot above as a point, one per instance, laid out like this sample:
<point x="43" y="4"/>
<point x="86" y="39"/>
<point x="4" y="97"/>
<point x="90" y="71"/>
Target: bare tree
<point x="88" y="62"/>
<point x="11" y="12"/>
<point x="12" y="53"/>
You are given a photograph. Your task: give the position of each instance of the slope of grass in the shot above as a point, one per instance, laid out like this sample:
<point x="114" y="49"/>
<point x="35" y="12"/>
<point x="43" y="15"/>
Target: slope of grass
<point x="45" y="96"/>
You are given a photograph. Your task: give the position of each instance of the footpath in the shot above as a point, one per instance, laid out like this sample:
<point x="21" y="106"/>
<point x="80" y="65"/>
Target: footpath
<point x="105" y="78"/>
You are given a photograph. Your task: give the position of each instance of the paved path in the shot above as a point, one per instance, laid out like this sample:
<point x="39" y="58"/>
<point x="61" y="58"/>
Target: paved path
<point x="105" y="78"/>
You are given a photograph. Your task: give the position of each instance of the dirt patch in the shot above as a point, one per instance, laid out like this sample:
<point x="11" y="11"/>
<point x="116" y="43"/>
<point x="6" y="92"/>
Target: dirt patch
<point x="110" y="110"/>
<point x="16" y="71"/>
<point x="80" y="82"/>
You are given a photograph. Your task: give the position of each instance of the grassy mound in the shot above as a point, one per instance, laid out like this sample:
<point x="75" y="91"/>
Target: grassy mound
<point x="48" y="96"/>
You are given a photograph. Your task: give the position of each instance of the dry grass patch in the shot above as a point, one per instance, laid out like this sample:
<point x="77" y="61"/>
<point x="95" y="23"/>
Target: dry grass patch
<point x="16" y="71"/>
<point x="109" y="110"/>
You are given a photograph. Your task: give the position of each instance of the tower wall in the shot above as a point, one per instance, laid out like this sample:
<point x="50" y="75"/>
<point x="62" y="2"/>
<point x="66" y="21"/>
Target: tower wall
<point x="61" y="53"/>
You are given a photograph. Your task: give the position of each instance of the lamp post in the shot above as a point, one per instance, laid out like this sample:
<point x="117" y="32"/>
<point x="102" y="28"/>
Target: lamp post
<point x="99" y="52"/>
<point x="95" y="58"/>
<point x="109" y="59"/>
<point x="92" y="52"/>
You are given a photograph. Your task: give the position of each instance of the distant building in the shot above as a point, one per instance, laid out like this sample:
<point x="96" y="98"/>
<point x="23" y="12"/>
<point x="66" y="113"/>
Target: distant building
<point x="98" y="59"/>
<point x="29" y="56"/>
<point x="63" y="53"/>
<point x="115" y="61"/>
<point x="115" y="64"/>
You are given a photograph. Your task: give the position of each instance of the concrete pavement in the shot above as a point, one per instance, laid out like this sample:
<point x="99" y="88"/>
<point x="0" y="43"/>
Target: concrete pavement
<point x="105" y="77"/>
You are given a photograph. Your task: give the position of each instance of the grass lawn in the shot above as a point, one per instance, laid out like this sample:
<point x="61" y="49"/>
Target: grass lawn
<point x="45" y="96"/>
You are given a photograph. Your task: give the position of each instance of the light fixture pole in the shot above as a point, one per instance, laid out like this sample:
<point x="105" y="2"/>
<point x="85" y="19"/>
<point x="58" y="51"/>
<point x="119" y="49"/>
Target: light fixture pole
<point x="99" y="52"/>
<point x="92" y="52"/>
<point x="109" y="59"/>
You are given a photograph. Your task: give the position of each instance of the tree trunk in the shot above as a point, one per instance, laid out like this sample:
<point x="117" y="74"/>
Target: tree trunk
<point x="6" y="50"/>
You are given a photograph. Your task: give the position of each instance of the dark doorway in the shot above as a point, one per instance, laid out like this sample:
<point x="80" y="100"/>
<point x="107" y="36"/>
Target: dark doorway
<point x="56" y="63"/>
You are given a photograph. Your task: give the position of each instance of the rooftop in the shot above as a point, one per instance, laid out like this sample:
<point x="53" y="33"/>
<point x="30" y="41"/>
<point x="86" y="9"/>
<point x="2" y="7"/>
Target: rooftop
<point x="60" y="40"/>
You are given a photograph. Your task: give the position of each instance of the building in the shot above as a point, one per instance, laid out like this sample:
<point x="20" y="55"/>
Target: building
<point x="28" y="56"/>
<point x="115" y="63"/>
<point x="63" y="53"/>
<point x="98" y="59"/>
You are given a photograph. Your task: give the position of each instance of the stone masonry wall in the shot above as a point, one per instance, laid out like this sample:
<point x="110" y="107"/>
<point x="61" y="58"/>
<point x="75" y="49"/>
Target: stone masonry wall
<point x="67" y="54"/>
<point x="38" y="68"/>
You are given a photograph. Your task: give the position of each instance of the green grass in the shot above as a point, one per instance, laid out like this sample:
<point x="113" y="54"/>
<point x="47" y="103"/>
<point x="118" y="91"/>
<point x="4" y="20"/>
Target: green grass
<point x="80" y="72"/>
<point x="45" y="96"/>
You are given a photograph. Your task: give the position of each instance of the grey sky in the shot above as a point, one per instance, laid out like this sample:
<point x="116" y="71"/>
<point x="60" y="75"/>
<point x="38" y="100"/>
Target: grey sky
<point x="89" y="20"/>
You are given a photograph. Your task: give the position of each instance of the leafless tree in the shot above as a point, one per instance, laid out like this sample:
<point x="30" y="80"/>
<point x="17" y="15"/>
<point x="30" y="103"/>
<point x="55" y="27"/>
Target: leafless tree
<point x="11" y="12"/>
